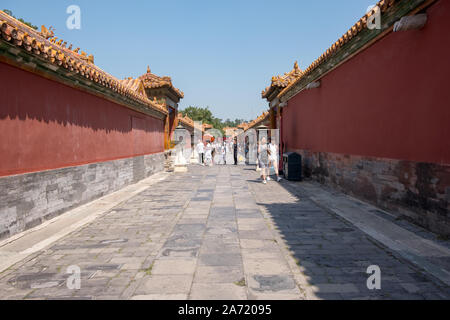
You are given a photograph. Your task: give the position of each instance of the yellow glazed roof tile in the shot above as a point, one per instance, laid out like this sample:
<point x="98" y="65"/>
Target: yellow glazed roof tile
<point x="45" y="45"/>
<point x="361" y="24"/>
<point x="153" y="81"/>
<point x="283" y="81"/>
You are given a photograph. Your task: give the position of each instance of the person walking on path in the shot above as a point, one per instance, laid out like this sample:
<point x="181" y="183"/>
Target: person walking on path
<point x="208" y="155"/>
<point x="235" y="151"/>
<point x="213" y="151"/>
<point x="263" y="158"/>
<point x="224" y="153"/>
<point x="201" y="152"/>
<point x="273" y="159"/>
<point x="217" y="152"/>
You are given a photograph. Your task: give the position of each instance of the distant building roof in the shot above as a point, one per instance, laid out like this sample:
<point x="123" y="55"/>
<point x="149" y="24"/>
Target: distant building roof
<point x="230" y="128"/>
<point x="258" y="121"/>
<point x="243" y="126"/>
<point x="186" y="120"/>
<point x="152" y="81"/>
<point x="282" y="81"/>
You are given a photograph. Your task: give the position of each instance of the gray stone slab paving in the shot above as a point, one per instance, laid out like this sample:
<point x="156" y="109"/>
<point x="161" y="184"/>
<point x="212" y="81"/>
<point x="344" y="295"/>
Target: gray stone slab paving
<point x="332" y="254"/>
<point x="217" y="233"/>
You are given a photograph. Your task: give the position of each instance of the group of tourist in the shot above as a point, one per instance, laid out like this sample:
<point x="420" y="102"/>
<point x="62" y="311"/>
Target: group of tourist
<point x="267" y="159"/>
<point x="218" y="153"/>
<point x="215" y="153"/>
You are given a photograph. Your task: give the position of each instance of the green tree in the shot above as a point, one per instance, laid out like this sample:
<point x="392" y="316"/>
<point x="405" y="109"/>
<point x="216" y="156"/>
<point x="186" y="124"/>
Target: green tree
<point x="206" y="116"/>
<point x="233" y="123"/>
<point x="9" y="12"/>
<point x="199" y="114"/>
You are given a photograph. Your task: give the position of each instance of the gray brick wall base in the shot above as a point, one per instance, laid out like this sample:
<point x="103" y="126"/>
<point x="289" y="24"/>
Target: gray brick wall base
<point x="416" y="191"/>
<point x="28" y="200"/>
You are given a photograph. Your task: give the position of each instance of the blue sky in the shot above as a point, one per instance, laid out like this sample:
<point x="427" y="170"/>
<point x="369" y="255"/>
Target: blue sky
<point x="222" y="54"/>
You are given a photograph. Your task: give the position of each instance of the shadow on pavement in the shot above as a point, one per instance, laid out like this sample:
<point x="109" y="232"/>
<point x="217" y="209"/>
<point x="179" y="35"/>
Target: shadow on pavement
<point x="334" y="256"/>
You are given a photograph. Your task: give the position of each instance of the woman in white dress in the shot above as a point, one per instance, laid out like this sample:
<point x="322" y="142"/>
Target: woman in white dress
<point x="217" y="153"/>
<point x="224" y="154"/>
<point x="263" y="158"/>
<point x="208" y="155"/>
<point x="273" y="158"/>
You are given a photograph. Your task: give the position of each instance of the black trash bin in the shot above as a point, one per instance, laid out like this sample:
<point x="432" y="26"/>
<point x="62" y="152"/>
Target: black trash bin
<point x="292" y="166"/>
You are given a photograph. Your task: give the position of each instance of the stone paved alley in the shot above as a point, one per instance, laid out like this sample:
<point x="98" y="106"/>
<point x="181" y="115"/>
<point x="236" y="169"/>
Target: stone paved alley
<point x="218" y="233"/>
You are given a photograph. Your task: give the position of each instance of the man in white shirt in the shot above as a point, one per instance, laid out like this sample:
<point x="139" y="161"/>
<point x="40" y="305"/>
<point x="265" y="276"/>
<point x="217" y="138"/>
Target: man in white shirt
<point x="201" y="152"/>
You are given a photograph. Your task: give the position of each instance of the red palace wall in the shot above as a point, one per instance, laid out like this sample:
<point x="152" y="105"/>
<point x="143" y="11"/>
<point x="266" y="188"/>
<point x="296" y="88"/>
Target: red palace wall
<point x="391" y="100"/>
<point x="47" y="125"/>
<point x="379" y="125"/>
